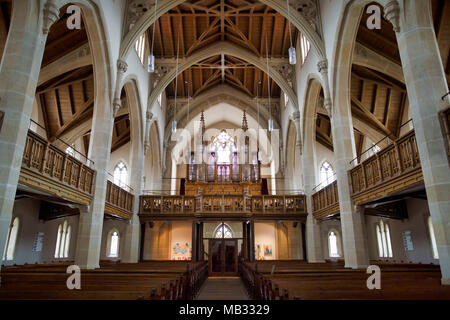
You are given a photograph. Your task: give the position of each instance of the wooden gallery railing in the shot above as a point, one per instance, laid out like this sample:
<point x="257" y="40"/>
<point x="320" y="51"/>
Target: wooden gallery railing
<point x="119" y="202"/>
<point x="49" y="169"/>
<point x="392" y="169"/>
<point x="258" y="286"/>
<point x="164" y="206"/>
<point x="326" y="201"/>
<point x="186" y="287"/>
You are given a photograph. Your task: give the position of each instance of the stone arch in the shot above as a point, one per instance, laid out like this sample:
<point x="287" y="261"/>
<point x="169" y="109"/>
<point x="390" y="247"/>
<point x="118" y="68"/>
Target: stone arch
<point x="147" y="19"/>
<point x="293" y="164"/>
<point x="312" y="93"/>
<point x="152" y="165"/>
<point x="218" y="48"/>
<point x="224" y="93"/>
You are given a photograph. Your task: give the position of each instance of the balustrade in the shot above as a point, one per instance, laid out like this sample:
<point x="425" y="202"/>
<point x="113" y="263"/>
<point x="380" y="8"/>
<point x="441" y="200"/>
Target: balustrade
<point x="223" y="173"/>
<point x="326" y="201"/>
<point x="392" y="169"/>
<point x="118" y="201"/>
<point x="44" y="165"/>
<point x="278" y="204"/>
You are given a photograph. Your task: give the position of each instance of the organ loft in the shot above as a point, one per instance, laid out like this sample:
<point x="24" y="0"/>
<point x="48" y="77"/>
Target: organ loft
<point x="224" y="149"/>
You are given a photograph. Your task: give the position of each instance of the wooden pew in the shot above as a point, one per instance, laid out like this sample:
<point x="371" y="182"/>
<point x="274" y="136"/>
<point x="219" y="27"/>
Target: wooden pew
<point x="300" y="280"/>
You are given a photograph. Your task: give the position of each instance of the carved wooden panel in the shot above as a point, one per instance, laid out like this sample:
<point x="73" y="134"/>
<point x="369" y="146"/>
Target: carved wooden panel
<point x="169" y="206"/>
<point x="46" y="168"/>
<point x="119" y="201"/>
<point x="326" y="201"/>
<point x="394" y="168"/>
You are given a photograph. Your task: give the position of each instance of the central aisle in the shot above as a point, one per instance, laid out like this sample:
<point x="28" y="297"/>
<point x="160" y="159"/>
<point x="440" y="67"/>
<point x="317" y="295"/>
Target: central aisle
<point x="223" y="288"/>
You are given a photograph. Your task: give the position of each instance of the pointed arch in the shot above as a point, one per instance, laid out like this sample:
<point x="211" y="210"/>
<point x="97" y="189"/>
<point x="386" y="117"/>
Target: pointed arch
<point x="228" y="48"/>
<point x="149" y="18"/>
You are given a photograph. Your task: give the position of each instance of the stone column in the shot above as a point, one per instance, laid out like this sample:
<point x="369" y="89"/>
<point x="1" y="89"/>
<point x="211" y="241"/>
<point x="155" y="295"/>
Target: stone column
<point x="352" y="220"/>
<point x="313" y="241"/>
<point x="426" y="84"/>
<point x="22" y="57"/>
<point x="87" y="255"/>
<point x="194" y="241"/>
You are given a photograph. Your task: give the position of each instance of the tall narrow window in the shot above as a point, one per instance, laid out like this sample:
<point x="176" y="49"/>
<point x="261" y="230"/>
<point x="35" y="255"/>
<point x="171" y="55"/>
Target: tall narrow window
<point x="380" y="242"/>
<point x="113" y="244"/>
<point x="160" y="100"/>
<point x="384" y="240"/>
<point x="58" y="241"/>
<point x="433" y="239"/>
<point x="326" y="174"/>
<point x="12" y="239"/>
<point x="63" y="240"/>
<point x="223" y="231"/>
<point x="120" y="174"/>
<point x="305" y="46"/>
<point x="67" y="242"/>
<point x="333" y="245"/>
<point x="286" y="100"/>
<point x="140" y="47"/>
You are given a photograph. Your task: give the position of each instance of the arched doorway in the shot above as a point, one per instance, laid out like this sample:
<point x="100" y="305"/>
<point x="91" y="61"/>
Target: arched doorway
<point x="223" y="252"/>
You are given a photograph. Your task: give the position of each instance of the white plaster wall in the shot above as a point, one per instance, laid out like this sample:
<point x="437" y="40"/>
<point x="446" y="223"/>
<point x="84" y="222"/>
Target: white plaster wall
<point x="108" y="225"/>
<point x="325" y="228"/>
<point x="265" y="234"/>
<point x="27" y="210"/>
<point x="182" y="235"/>
<point x="121" y="154"/>
<point x="323" y="154"/>
<point x="418" y="214"/>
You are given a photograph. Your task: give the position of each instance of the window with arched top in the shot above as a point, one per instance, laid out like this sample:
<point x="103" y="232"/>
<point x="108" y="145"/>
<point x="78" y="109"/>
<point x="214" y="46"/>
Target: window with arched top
<point x="326" y="174"/>
<point x="120" y="174"/>
<point x="113" y="244"/>
<point x="63" y="240"/>
<point x="384" y="240"/>
<point x="333" y="245"/>
<point x="11" y="240"/>
<point x="223" y="231"/>
<point x="433" y="239"/>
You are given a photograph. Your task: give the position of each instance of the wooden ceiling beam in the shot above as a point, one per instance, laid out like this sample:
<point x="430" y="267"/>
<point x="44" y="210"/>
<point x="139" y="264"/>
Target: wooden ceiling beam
<point x="75" y="118"/>
<point x="204" y="85"/>
<point x="244" y="39"/>
<point x="205" y="33"/>
<point x="239" y="82"/>
<point x="64" y="85"/>
<point x="370" y="116"/>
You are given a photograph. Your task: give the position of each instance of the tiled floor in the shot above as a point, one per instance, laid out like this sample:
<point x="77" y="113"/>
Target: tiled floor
<point x="223" y="288"/>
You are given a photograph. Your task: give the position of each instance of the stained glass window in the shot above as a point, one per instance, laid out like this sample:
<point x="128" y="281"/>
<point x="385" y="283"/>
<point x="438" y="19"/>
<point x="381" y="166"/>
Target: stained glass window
<point x="223" y="231"/>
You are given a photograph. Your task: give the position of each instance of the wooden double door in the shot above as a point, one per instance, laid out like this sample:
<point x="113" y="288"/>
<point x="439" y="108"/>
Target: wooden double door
<point x="223" y="257"/>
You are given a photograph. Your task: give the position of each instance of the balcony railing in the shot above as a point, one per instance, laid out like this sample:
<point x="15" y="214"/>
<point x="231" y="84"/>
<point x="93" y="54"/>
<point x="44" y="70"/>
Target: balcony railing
<point x="222" y="204"/>
<point x="223" y="173"/>
<point x="119" y="202"/>
<point x="49" y="169"/>
<point x="393" y="169"/>
<point x="326" y="201"/>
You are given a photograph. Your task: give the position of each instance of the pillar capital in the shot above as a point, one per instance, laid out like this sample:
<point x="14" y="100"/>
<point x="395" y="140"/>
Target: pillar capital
<point x="392" y="14"/>
<point x="51" y="15"/>
<point x="122" y="66"/>
<point x="149" y="116"/>
<point x="322" y="67"/>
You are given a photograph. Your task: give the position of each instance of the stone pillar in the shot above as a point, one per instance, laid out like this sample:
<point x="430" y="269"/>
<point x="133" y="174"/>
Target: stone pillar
<point x="426" y="84"/>
<point x="19" y="73"/>
<point x="352" y="221"/>
<point x="194" y="241"/>
<point x="313" y="241"/>
<point x="90" y="228"/>
<point x="251" y="231"/>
